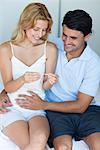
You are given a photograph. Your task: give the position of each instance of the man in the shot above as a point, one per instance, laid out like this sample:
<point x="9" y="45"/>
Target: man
<point x="4" y="102"/>
<point x="71" y="108"/>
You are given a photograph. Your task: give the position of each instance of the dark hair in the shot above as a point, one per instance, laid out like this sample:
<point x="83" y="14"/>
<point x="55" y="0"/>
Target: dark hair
<point x="78" y="20"/>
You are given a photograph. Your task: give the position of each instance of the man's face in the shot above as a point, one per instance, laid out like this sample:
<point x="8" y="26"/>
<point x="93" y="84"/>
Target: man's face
<point x="73" y="40"/>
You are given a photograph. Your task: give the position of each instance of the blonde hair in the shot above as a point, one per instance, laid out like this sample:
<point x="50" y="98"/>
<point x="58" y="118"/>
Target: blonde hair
<point x="28" y="18"/>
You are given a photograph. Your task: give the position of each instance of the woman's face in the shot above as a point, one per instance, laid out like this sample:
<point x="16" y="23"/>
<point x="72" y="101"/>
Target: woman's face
<point x="40" y="29"/>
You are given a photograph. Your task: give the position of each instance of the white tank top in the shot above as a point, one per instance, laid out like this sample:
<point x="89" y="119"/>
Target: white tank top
<point x="19" y="68"/>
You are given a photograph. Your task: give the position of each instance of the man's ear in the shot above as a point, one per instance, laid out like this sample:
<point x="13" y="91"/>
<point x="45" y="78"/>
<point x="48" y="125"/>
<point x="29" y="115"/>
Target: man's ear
<point x="87" y="37"/>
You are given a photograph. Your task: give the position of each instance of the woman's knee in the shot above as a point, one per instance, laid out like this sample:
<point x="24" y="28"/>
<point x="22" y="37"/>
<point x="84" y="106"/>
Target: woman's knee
<point x="42" y="138"/>
<point x="63" y="146"/>
<point x="38" y="142"/>
<point x="23" y="144"/>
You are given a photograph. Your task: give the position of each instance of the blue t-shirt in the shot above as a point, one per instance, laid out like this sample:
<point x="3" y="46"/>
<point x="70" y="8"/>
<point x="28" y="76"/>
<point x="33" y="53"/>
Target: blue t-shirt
<point x="81" y="74"/>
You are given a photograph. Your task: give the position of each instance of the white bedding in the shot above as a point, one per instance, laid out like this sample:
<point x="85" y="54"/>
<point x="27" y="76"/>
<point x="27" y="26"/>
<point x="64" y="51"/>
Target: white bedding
<point x="7" y="144"/>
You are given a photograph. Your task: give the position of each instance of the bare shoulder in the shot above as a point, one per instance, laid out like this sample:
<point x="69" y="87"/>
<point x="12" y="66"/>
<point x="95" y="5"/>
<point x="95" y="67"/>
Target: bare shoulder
<point x="51" y="51"/>
<point x="5" y="48"/>
<point x="51" y="47"/>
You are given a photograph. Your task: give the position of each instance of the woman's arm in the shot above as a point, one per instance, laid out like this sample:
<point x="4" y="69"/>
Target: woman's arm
<point x="10" y="85"/>
<point x="50" y="78"/>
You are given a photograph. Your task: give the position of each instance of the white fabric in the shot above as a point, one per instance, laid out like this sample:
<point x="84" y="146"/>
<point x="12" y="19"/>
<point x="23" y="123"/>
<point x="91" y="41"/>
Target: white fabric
<point x="19" y="68"/>
<point x="7" y="144"/>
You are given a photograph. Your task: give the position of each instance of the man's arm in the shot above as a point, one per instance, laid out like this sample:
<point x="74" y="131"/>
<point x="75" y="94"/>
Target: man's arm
<point x="34" y="102"/>
<point x="4" y="102"/>
<point x="78" y="106"/>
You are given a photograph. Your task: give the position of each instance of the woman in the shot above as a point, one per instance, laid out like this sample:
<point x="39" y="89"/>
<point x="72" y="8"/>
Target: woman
<point x="27" y="63"/>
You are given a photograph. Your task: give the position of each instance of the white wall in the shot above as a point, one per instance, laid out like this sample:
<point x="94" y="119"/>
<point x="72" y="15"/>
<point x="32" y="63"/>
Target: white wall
<point x="93" y="8"/>
<point x="10" y="11"/>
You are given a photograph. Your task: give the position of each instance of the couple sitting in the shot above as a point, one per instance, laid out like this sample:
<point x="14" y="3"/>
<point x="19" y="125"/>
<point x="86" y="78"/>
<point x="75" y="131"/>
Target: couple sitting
<point x="28" y="62"/>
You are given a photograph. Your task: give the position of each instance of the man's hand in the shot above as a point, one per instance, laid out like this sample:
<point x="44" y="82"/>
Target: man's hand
<point x="4" y="102"/>
<point x="33" y="102"/>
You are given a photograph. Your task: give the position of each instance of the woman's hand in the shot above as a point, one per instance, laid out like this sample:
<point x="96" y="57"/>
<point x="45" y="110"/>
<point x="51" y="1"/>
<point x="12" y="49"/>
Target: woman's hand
<point x="51" y="78"/>
<point x="33" y="102"/>
<point x="31" y="76"/>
